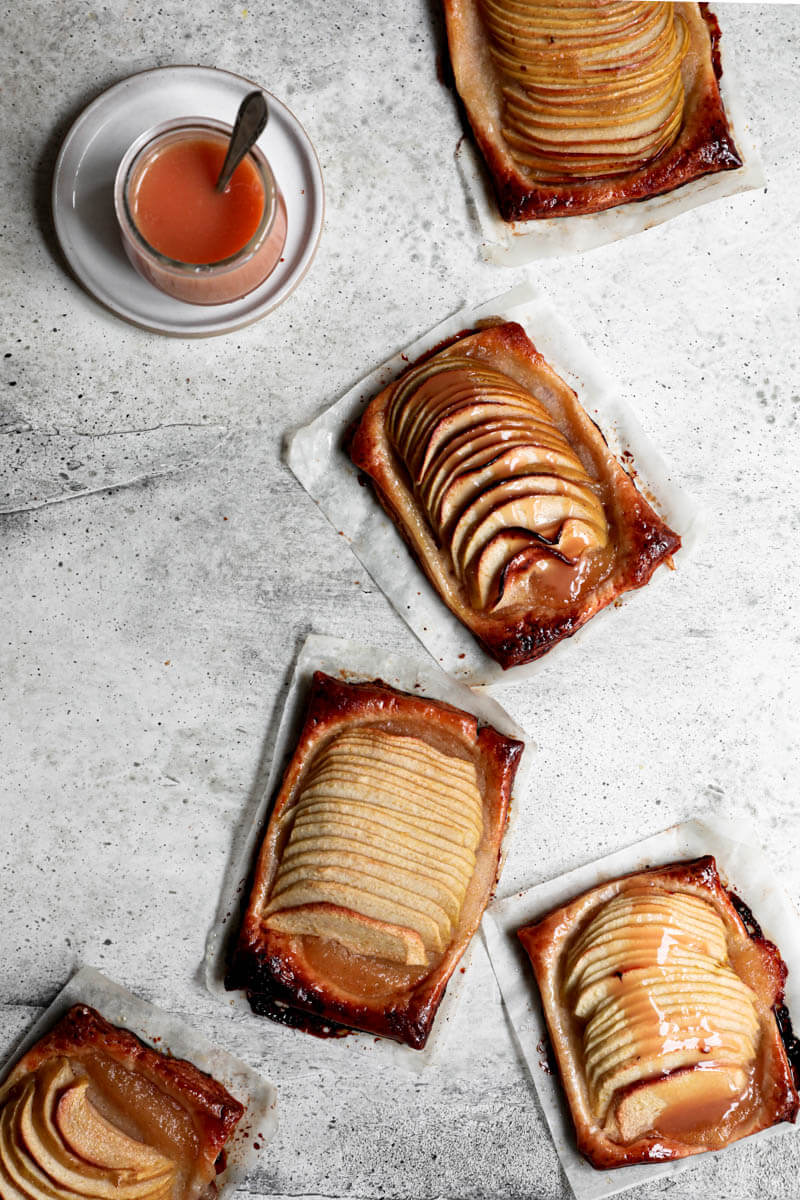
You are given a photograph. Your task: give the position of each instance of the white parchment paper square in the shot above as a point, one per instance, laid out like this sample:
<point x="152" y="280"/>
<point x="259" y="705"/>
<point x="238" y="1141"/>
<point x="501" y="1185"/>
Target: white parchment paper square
<point x="350" y="661"/>
<point x="170" y="1035"/>
<point x="316" y="456"/>
<point x="515" y="243"/>
<point x="744" y="868"/>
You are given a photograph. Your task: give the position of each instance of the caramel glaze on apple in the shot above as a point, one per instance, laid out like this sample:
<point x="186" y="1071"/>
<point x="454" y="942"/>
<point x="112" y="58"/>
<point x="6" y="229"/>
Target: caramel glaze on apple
<point x="588" y="90"/>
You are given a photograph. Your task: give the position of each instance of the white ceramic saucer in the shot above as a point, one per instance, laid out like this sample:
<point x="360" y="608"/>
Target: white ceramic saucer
<point x="83" y="203"/>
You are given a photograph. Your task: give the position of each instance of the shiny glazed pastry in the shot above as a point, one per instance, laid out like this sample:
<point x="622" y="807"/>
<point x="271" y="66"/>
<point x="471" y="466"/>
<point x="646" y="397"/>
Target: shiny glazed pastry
<point x="661" y="1012"/>
<point x="581" y="105"/>
<point x="90" y="1111"/>
<point x="380" y="855"/>
<point x="507" y="493"/>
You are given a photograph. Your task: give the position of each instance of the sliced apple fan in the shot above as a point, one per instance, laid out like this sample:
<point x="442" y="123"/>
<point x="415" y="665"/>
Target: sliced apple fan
<point x="55" y="1143"/>
<point x="382" y="847"/>
<point x="501" y="486"/>
<point x="591" y="90"/>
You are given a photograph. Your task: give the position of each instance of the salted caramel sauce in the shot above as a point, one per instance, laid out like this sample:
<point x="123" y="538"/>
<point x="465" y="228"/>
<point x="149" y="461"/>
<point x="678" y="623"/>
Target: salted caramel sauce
<point x="669" y="1029"/>
<point x="588" y="92"/>
<point x="503" y="489"/>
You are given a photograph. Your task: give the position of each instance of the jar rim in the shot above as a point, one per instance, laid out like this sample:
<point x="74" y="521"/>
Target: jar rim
<point x="125" y="173"/>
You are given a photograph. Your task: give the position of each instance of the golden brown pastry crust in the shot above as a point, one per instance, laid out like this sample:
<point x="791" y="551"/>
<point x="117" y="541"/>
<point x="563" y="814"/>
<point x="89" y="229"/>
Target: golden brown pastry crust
<point x="705" y="144"/>
<point x="640" y="540"/>
<point x="82" y="1031"/>
<point x="300" y="980"/>
<point x="754" y="959"/>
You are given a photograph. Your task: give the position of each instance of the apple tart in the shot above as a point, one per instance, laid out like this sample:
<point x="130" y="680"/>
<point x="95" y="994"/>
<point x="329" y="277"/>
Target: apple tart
<point x="91" y="1112"/>
<point x="507" y="493"/>
<point x="380" y="855"/>
<point x="581" y="105"/>
<point x="663" y="1007"/>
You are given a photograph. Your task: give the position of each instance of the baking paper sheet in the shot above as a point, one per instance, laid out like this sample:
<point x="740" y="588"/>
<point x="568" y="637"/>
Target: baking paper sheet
<point x="350" y="661"/>
<point x="170" y="1035"/>
<point x="512" y="244"/>
<point x="744" y="868"/>
<point x="316" y="457"/>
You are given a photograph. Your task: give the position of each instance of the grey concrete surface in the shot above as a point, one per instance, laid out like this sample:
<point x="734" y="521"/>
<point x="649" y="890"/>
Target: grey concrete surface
<point x="147" y="633"/>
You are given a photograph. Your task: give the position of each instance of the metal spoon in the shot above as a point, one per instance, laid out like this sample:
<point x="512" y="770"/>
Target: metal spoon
<point x="251" y="121"/>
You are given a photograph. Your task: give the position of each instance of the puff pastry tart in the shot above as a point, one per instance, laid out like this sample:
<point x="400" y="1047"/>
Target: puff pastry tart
<point x="580" y="105"/>
<point x="380" y="855"/>
<point x="507" y="493"/>
<point x="661" y="1007"/>
<point x="91" y="1112"/>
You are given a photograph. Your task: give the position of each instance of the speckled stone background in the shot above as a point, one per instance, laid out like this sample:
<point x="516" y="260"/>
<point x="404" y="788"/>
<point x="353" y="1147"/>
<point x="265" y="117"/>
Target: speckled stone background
<point x="148" y="632"/>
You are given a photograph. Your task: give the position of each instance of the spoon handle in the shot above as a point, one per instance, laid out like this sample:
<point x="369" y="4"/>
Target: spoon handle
<point x="251" y="121"/>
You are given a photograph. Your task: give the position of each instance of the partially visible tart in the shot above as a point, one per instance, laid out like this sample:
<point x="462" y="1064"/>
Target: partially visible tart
<point x="661" y="1008"/>
<point x="507" y="493"/>
<point x="581" y="105"/>
<point x="91" y="1112"/>
<point x="380" y="854"/>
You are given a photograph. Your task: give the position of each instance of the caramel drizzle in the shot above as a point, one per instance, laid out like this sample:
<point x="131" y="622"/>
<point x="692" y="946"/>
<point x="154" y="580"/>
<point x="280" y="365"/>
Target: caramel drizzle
<point x="651" y="978"/>
<point x="588" y="90"/>
<point x="504" y="493"/>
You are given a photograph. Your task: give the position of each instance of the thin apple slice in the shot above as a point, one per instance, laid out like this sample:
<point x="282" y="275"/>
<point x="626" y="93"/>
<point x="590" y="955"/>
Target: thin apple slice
<point x="690" y="1035"/>
<point x="418" y="392"/>
<point x="668" y="1107"/>
<point x="452" y="796"/>
<point x="539" y="503"/>
<point x="456" y="863"/>
<point x="648" y="1066"/>
<point x="489" y="569"/>
<point x="471" y="414"/>
<point x="24" y="1176"/>
<point x="91" y="1137"/>
<point x="367" y="901"/>
<point x="325" y="834"/>
<point x="381" y="788"/>
<point x="681" y="1011"/>
<point x="405" y="888"/>
<point x="38" y="1135"/>
<point x="440" y="835"/>
<point x="468" y="448"/>
<point x="542" y="513"/>
<point x="455" y="455"/>
<point x="364" y="935"/>
<point x="657" y="981"/>
<point x="384" y="864"/>
<point x="389" y="794"/>
<point x="680" y="1022"/>
<point x="524" y="459"/>
<point x="442" y="422"/>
